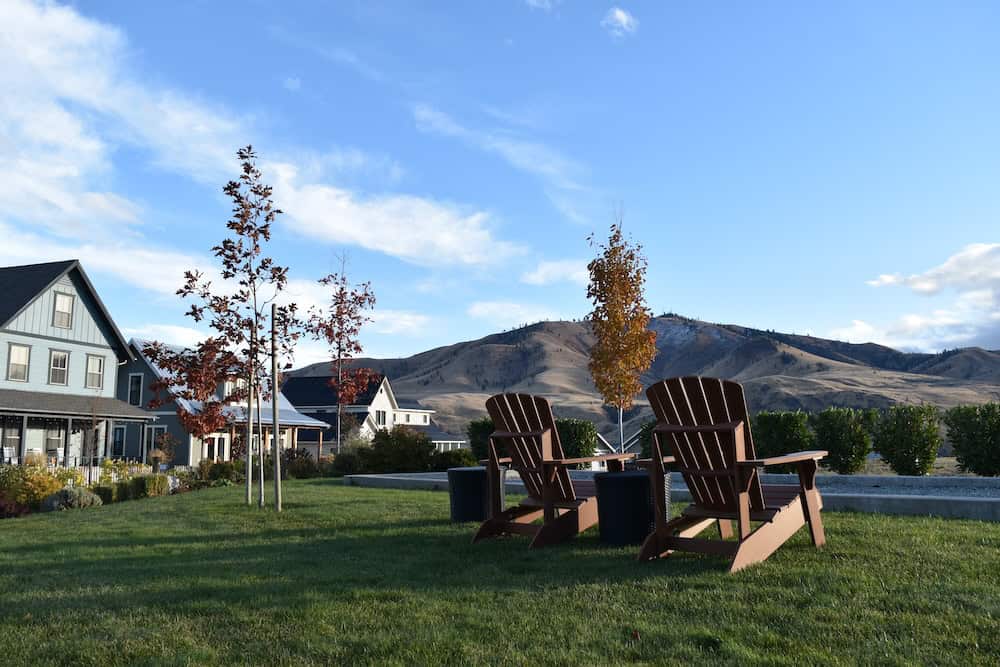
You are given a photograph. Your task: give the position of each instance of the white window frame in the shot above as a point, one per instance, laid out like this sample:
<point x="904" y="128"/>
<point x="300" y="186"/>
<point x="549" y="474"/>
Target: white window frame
<point x="380" y="418"/>
<point x="149" y="441"/>
<point x="52" y="354"/>
<point x="426" y="419"/>
<point x="114" y="432"/>
<point x="142" y="379"/>
<point x="56" y="311"/>
<point x="86" y="381"/>
<point x="10" y="362"/>
<point x="407" y="417"/>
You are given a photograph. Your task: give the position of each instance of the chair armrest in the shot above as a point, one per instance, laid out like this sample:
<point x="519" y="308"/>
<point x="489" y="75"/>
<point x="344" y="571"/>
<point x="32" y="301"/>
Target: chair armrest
<point x="797" y="457"/>
<point x="645" y="463"/>
<point x="505" y="459"/>
<point x="590" y="459"/>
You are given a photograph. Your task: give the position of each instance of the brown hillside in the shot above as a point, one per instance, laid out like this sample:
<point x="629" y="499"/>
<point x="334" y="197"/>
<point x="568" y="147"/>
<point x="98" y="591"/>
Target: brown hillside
<point x="780" y="371"/>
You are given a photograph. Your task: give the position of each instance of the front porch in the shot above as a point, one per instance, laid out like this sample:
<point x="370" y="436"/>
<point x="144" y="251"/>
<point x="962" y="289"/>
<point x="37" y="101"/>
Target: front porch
<point x="60" y="429"/>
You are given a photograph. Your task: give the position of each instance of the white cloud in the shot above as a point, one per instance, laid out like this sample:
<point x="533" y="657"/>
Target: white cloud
<point x="619" y="22"/>
<point x="544" y="5"/>
<point x="564" y="270"/>
<point x="398" y="322"/>
<point x="510" y="314"/>
<point x="292" y="83"/>
<point x="973" y="274"/>
<point x="560" y="175"/>
<point x="418" y="230"/>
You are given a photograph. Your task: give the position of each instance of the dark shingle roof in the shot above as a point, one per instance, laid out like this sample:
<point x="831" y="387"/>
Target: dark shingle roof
<point x="305" y="391"/>
<point x="434" y="432"/>
<point x="70" y="405"/>
<point x="19" y="285"/>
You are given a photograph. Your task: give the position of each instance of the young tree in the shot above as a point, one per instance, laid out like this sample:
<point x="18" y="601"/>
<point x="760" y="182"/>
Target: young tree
<point x="625" y="347"/>
<point x="340" y="325"/>
<point x="237" y="310"/>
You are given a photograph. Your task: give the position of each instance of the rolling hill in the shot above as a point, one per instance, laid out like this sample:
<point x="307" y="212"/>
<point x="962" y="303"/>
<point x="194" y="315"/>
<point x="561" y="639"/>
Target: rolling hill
<point x="779" y="371"/>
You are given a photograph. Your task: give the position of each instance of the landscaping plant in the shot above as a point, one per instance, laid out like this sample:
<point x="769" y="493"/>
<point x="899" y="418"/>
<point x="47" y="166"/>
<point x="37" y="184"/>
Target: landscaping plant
<point x="70" y="498"/>
<point x="782" y="432"/>
<point x="908" y="438"/>
<point x="974" y="433"/>
<point x="846" y="434"/>
<point x="624" y="347"/>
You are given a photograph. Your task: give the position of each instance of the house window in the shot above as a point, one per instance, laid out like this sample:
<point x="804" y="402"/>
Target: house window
<point x="62" y="315"/>
<point x="118" y="442"/>
<point x="380" y="417"/>
<point x="17" y="362"/>
<point x="11" y="438"/>
<point x="135" y="389"/>
<point x="152" y="434"/>
<point x="407" y="417"/>
<point x="95" y="372"/>
<point x="210" y="449"/>
<point x="54" y="442"/>
<point x="58" y="367"/>
<point x="425" y="419"/>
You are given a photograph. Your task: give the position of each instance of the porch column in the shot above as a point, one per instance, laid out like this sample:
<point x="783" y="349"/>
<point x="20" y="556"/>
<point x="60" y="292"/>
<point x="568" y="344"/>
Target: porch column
<point x="22" y="447"/>
<point x="295" y="438"/>
<point x="66" y="437"/>
<point x="108" y="426"/>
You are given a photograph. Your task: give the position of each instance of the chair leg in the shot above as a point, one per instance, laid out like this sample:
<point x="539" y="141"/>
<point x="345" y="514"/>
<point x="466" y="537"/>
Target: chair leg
<point x="654" y="546"/>
<point x="766" y="539"/>
<point x="725" y="529"/>
<point x="811" y="504"/>
<point x="566" y="525"/>
<point x="497" y="525"/>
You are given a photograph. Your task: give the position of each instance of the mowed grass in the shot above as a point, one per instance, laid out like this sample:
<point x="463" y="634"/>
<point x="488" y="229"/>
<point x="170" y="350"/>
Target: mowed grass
<point x="353" y="576"/>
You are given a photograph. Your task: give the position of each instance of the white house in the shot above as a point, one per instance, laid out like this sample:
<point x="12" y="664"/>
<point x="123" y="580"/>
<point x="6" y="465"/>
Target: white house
<point x="375" y="408"/>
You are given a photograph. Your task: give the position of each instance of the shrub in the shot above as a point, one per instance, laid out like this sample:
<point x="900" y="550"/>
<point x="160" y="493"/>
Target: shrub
<point x="224" y="470"/>
<point x="157" y="485"/>
<point x="478" y="432"/>
<point x="70" y="498"/>
<point x="400" y="450"/>
<point x="205" y="469"/>
<point x="299" y="464"/>
<point x="646" y="440"/>
<point x="578" y="438"/>
<point x="29" y="484"/>
<point x="123" y="490"/>
<point x="9" y="509"/>
<point x="108" y="493"/>
<point x="908" y="437"/>
<point x="974" y="432"/>
<point x="456" y="458"/>
<point x="847" y="435"/>
<point x="783" y="432"/>
<point x="137" y="487"/>
<point x="346" y="463"/>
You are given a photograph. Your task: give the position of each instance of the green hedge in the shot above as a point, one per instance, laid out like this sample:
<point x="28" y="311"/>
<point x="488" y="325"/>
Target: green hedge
<point x="908" y="437"/>
<point x="846" y="434"/>
<point x="777" y="433"/>
<point x="974" y="432"/>
<point x="578" y="437"/>
<point x="455" y="458"/>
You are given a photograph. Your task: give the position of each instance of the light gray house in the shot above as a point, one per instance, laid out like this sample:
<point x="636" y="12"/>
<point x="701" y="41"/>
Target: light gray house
<point x="134" y="441"/>
<point x="60" y="352"/>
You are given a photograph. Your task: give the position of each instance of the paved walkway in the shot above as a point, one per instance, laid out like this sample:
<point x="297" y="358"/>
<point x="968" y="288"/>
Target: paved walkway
<point x="955" y="497"/>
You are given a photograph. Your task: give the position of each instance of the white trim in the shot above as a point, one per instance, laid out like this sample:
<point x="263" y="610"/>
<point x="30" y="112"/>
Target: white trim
<point x="52" y="352"/>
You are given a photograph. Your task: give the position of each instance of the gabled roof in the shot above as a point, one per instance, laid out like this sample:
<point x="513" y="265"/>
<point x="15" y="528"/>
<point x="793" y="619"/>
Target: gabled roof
<point x="21" y="285"/>
<point x="287" y="414"/>
<point x="312" y="391"/>
<point x="435" y="433"/>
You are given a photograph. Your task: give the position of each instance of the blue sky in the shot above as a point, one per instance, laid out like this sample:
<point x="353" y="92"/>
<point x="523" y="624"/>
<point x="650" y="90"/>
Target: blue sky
<point x="832" y="169"/>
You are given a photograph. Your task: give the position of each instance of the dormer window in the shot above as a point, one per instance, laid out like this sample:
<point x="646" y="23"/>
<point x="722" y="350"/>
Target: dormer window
<point x="62" y="314"/>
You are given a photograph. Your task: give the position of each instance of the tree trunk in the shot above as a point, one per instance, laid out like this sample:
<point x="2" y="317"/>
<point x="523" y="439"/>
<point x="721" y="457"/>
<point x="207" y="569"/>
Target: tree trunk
<point x="274" y="410"/>
<point x="621" y="431"/>
<point x="340" y="403"/>
<point x="260" y="456"/>
<point x="248" y="445"/>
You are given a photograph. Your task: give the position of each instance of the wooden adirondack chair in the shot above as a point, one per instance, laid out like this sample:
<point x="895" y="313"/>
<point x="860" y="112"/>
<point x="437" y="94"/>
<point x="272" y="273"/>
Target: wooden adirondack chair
<point x="526" y="432"/>
<point x="704" y="424"/>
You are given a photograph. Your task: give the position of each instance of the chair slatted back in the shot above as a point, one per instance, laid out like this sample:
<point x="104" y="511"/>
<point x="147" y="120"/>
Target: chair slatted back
<point x="524" y="413"/>
<point x="705" y="458"/>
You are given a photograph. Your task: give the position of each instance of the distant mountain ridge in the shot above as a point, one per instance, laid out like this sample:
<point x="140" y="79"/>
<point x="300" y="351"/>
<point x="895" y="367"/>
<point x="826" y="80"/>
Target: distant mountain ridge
<point x="779" y="371"/>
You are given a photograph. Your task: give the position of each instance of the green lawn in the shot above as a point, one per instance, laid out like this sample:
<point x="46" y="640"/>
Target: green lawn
<point x="350" y="575"/>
